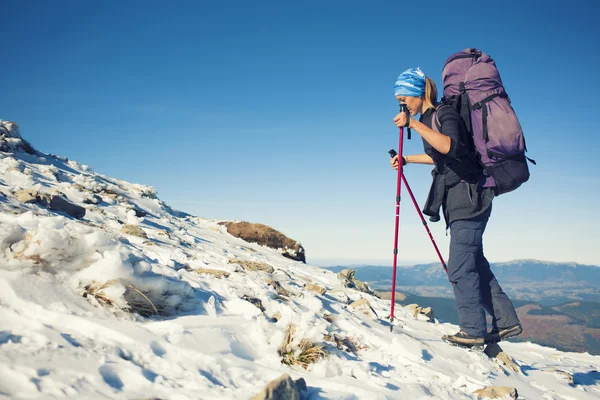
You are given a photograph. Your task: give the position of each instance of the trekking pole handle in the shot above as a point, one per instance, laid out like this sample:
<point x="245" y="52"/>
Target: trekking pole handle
<point x="393" y="153"/>
<point x="404" y="109"/>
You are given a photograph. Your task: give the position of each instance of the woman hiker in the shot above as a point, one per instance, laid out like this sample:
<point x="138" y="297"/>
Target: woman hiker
<point x="458" y="189"/>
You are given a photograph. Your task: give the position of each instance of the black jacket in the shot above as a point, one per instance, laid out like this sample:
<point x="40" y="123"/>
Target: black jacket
<point x="458" y="179"/>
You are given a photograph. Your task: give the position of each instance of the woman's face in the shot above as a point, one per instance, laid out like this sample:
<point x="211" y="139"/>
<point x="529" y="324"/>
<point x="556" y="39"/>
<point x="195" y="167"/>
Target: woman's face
<point x="413" y="103"/>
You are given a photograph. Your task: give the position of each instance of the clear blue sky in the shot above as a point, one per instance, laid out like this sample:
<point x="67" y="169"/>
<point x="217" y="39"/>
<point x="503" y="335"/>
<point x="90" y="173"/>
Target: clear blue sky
<point x="281" y="112"/>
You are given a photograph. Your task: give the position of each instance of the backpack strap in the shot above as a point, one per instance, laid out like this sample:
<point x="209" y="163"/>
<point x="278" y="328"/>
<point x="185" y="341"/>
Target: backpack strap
<point x="484" y="111"/>
<point x="435" y="119"/>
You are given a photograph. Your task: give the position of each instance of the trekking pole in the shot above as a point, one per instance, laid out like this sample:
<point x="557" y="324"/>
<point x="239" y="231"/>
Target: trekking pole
<point x="403" y="108"/>
<point x="410" y="193"/>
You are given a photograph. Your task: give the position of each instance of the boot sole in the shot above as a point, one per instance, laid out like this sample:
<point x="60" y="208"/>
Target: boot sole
<point x="512" y="333"/>
<point x="496" y="338"/>
<point x="475" y="346"/>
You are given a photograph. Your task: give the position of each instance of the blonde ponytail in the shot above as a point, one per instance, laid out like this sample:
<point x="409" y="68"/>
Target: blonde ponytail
<point x="430" y="98"/>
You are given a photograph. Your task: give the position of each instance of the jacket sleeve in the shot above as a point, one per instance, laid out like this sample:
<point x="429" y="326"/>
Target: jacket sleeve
<point x="452" y="125"/>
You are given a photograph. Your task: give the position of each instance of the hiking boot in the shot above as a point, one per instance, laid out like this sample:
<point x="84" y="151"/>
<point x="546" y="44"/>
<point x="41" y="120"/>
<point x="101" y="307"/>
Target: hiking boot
<point x="463" y="339"/>
<point x="499" y="334"/>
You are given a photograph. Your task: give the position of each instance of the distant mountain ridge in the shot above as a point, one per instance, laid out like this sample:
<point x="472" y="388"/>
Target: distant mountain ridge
<point x="536" y="280"/>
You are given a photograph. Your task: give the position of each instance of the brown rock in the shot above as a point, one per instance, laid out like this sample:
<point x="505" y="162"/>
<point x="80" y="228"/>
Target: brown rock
<point x="253" y="266"/>
<point x="496" y="392"/>
<point x="315" y="288"/>
<point x="51" y="201"/>
<point x="57" y="203"/>
<point x="364" y="306"/>
<point x="94" y="199"/>
<point x="276" y="317"/>
<point x="349" y="280"/>
<point x="417" y="310"/>
<point x="495" y="351"/>
<point x="278" y="288"/>
<point x="214" y="272"/>
<point x="27" y="196"/>
<point x="266" y="236"/>
<point x="254" y="301"/>
<point x="282" y="388"/>
<point x="133" y="230"/>
<point x="109" y="193"/>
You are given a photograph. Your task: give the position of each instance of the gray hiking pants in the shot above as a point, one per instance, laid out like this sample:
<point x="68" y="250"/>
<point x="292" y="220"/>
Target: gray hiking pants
<point x="475" y="287"/>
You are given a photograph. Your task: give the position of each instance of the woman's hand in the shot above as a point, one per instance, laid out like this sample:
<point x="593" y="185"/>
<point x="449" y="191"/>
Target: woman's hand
<point x="401" y="118"/>
<point x="394" y="162"/>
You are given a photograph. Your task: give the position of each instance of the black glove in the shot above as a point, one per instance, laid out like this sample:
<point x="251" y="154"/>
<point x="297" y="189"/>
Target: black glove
<point x="393" y="154"/>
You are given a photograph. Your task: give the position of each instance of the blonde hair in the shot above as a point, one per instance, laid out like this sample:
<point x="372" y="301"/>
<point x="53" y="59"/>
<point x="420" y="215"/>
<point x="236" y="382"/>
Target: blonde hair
<point x="430" y="97"/>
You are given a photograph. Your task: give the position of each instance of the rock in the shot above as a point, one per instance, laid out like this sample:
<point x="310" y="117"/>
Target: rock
<point x="163" y="232"/>
<point x="108" y="193"/>
<point x="276" y="317"/>
<point x="496" y="392"/>
<point x="278" y="288"/>
<point x="27" y="196"/>
<point x="428" y="312"/>
<point x="253" y="266"/>
<point x="417" y="311"/>
<point x="11" y="140"/>
<point x="138" y="213"/>
<point x="51" y="201"/>
<point x="340" y="296"/>
<point x="495" y="351"/>
<point x="349" y="280"/>
<point x="133" y="230"/>
<point x="282" y="388"/>
<point x="567" y="375"/>
<point x="57" y="203"/>
<point x="95" y="199"/>
<point x="295" y="253"/>
<point x="266" y="236"/>
<point x="254" y="301"/>
<point x="364" y="306"/>
<point x="315" y="288"/>
<point x="217" y="273"/>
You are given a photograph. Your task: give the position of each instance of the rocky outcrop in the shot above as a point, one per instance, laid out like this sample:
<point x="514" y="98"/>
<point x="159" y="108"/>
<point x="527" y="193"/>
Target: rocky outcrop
<point x="253" y="266"/>
<point x="364" y="307"/>
<point x="133" y="230"/>
<point x="217" y="273"/>
<point x="315" y="288"/>
<point x="495" y="351"/>
<point x="349" y="280"/>
<point x="417" y="311"/>
<point x="11" y="140"/>
<point x="282" y="388"/>
<point x="496" y="392"/>
<point x="53" y="202"/>
<point x="266" y="236"/>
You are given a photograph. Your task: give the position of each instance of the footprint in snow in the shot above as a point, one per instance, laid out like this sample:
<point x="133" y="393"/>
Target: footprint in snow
<point x="157" y="349"/>
<point x="110" y="377"/>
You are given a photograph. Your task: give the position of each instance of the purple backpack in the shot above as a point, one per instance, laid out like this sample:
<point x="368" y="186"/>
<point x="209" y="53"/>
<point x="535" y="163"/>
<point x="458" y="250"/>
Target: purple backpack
<point x="472" y="85"/>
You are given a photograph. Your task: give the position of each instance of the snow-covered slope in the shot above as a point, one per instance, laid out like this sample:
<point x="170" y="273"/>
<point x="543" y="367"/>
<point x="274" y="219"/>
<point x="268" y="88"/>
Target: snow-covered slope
<point x="72" y="291"/>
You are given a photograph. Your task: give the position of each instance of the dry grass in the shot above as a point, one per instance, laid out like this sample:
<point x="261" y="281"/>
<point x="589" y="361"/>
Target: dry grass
<point x="137" y="301"/>
<point x="348" y="343"/>
<point x="328" y="318"/>
<point x="95" y="290"/>
<point x="140" y="304"/>
<point x="36" y="258"/>
<point x="304" y="354"/>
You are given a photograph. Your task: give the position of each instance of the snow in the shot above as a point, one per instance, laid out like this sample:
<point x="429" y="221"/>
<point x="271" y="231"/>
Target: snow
<point x="204" y="340"/>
